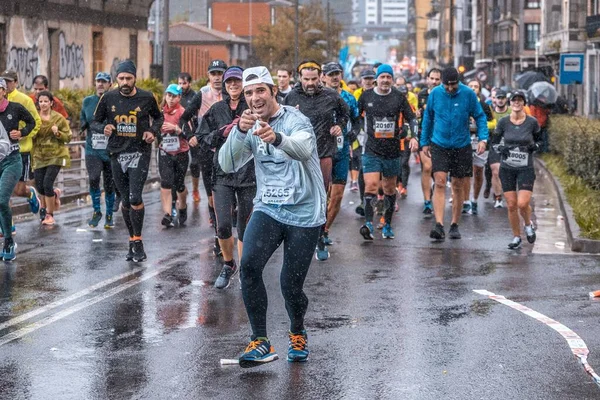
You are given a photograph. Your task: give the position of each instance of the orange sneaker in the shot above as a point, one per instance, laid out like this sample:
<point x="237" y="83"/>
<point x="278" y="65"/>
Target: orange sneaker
<point x="196" y="196"/>
<point x="49" y="220"/>
<point x="403" y="193"/>
<point x="381" y="223"/>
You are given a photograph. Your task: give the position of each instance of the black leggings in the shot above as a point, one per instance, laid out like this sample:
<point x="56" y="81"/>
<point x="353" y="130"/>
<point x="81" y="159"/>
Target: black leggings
<point x="224" y="201"/>
<point x="264" y="237"/>
<point x="96" y="167"/>
<point x="131" y="182"/>
<point x="44" y="179"/>
<point x="404" y="166"/>
<point x="172" y="170"/>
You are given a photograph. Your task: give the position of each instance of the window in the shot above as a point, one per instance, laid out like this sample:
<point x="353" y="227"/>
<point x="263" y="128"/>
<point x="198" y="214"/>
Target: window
<point x="97" y="52"/>
<point x="532" y="35"/>
<point x="532" y="3"/>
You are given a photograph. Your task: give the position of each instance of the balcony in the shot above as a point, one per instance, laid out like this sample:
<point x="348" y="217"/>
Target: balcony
<point x="592" y="26"/>
<point x="564" y="41"/>
<point x="503" y="49"/>
<point x="431" y="34"/>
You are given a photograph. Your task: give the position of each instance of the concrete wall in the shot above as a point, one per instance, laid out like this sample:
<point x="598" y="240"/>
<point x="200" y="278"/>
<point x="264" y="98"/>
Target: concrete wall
<point x="63" y="51"/>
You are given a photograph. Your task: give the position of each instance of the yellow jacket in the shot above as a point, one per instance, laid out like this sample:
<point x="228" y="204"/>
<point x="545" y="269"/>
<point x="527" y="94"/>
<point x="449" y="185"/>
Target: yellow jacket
<point x="357" y="93"/>
<point x="17" y="97"/>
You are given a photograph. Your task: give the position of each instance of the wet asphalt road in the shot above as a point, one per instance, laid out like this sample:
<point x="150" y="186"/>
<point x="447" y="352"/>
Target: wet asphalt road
<point x="393" y="319"/>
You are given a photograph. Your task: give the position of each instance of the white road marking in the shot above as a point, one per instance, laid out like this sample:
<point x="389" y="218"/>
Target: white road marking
<point x="577" y="345"/>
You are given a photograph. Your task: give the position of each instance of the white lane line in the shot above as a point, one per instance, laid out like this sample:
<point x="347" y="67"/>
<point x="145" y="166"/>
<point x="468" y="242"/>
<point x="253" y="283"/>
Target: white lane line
<point x="577" y="345"/>
<point x="80" y="306"/>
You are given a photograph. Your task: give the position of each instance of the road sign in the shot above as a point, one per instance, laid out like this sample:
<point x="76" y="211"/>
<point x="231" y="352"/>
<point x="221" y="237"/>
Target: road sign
<point x="571" y="69"/>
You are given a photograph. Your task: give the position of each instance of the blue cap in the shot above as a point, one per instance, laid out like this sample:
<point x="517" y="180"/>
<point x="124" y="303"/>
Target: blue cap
<point x="103" y="76"/>
<point x="384" y="69"/>
<point x="174" y="89"/>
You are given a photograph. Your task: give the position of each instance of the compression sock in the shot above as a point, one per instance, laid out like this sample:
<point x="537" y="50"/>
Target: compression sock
<point x="390" y="203"/>
<point x="369" y="199"/>
<point x="127" y="218"/>
<point x="137" y="220"/>
<point x="109" y="199"/>
<point x="95" y="194"/>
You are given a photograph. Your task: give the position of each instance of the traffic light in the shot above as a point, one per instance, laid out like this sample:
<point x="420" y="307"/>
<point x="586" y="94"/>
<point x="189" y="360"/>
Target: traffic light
<point x="461" y="69"/>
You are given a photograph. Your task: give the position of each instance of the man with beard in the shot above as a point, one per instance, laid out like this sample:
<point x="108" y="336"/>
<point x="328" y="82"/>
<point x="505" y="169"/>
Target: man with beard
<point x="134" y="122"/>
<point x="187" y="93"/>
<point x="328" y="114"/>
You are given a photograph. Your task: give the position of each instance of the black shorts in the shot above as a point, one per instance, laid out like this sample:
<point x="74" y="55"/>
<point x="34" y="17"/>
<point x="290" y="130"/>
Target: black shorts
<point x="172" y="170"/>
<point x="458" y="162"/>
<point x="514" y="179"/>
<point x="27" y="171"/>
<point x="494" y="157"/>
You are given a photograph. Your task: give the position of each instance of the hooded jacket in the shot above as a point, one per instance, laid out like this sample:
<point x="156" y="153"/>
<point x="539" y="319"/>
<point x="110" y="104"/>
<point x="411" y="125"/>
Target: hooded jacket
<point x="49" y="149"/>
<point x="324" y="109"/>
<point x="215" y="127"/>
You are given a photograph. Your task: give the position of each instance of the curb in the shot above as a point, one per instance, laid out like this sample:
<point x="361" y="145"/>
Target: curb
<point x="576" y="242"/>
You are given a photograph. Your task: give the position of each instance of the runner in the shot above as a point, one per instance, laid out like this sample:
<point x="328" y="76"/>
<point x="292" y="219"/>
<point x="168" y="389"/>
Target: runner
<point x="184" y="80"/>
<point x="381" y="109"/>
<point x="289" y="208"/>
<point x="367" y="81"/>
<point x="434" y="77"/>
<point x="479" y="160"/>
<point x="23" y="189"/>
<point x="40" y="83"/>
<point x="135" y="122"/>
<point x="410" y="96"/>
<point x="50" y="154"/>
<point x="500" y="110"/>
<point x="520" y="136"/>
<point x="328" y="114"/>
<point x="284" y="76"/>
<point x="447" y="140"/>
<point x="332" y="78"/>
<point x="233" y="188"/>
<point x="202" y="157"/>
<point x="173" y="158"/>
<point x="405" y="151"/>
<point x="11" y="116"/>
<point x="97" y="160"/>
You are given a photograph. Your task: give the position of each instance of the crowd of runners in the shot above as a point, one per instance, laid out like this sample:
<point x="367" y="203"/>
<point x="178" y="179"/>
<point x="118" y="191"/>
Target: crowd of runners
<point x="275" y="161"/>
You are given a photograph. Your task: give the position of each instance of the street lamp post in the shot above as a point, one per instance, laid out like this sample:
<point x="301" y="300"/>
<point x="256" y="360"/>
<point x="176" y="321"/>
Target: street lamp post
<point x="296" y="28"/>
<point x="537" y="53"/>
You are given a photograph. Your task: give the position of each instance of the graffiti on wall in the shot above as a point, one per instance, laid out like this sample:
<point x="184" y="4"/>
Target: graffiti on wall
<point x="71" y="63"/>
<point x="25" y="61"/>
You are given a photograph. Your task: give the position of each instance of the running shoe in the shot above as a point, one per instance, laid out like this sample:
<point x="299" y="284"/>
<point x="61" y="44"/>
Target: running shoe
<point x="453" y="233"/>
<point x="360" y="209"/>
<point x="9" y="251"/>
<point x="182" y="216"/>
<point x="57" y="194"/>
<point x="139" y="254"/>
<point x="474" y="208"/>
<point x="498" y="202"/>
<point x="109" y="223"/>
<point x="403" y="193"/>
<point x="427" y="208"/>
<point x="258" y="352"/>
<point x="515" y="244"/>
<point x="117" y="203"/>
<point x="34" y="200"/>
<point x="438" y="232"/>
<point x="387" y="232"/>
<point x="42" y="214"/>
<point x="167" y="221"/>
<point x="95" y="220"/>
<point x="466" y="209"/>
<point x="530" y="232"/>
<point x="367" y="231"/>
<point x="129" y="256"/>
<point x="326" y="239"/>
<point x="354" y="187"/>
<point x="196" y="196"/>
<point x="298" y="347"/>
<point x="224" y="278"/>
<point x="322" y="254"/>
<point x="48" y="220"/>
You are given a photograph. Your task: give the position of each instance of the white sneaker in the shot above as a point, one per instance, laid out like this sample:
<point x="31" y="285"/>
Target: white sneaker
<point x="498" y="203"/>
<point x="530" y="232"/>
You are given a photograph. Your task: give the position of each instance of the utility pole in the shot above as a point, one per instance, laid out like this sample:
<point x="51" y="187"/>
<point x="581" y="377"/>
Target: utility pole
<point x="165" y="58"/>
<point x="296" y="29"/>
<point x="451" y="35"/>
<point x="328" y="32"/>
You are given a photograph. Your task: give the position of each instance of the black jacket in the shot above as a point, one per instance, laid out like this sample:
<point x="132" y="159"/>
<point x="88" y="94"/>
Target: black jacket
<point x="210" y="133"/>
<point x="10" y="118"/>
<point x="324" y="109"/>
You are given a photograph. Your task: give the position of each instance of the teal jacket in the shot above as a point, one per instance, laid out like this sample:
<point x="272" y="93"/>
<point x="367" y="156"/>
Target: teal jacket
<point x="447" y="117"/>
<point x="86" y="120"/>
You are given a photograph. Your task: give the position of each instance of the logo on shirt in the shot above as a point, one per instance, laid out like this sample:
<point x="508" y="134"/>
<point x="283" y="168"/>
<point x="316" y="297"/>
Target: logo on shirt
<point x="113" y="109"/>
<point x="138" y="109"/>
<point x="9" y="116"/>
<point x="369" y="104"/>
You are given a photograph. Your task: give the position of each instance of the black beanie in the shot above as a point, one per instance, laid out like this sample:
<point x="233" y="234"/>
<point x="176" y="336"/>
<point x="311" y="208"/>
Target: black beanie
<point x="126" y="66"/>
<point x="449" y="75"/>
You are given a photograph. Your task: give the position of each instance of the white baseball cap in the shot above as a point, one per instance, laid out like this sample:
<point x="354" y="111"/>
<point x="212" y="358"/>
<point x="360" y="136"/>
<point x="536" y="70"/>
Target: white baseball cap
<point x="254" y="75"/>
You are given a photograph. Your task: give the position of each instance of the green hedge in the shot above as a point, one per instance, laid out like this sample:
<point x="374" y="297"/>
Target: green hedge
<point x="577" y="141"/>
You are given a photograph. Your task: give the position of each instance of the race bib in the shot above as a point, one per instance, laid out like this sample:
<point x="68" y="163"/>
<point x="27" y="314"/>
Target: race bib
<point x="170" y="143"/>
<point x="384" y="129"/>
<point x="517" y="158"/>
<point x="99" y="141"/>
<point x="474" y="142"/>
<point x="278" y="195"/>
<point x="129" y="160"/>
<point x="340" y="142"/>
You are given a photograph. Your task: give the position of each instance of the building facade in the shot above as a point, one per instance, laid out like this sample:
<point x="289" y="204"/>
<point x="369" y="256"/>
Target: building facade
<point x="69" y="41"/>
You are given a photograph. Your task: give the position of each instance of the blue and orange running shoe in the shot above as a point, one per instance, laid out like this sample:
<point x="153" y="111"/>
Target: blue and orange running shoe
<point x="258" y="352"/>
<point x="298" y="347"/>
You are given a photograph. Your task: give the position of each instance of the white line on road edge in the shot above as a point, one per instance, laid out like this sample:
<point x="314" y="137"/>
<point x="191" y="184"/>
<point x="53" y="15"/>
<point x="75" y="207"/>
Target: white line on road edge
<point x="577" y="345"/>
<point x="80" y="306"/>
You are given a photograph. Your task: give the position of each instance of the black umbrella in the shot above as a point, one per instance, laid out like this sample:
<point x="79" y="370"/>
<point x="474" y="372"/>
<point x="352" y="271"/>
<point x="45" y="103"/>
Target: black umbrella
<point x="526" y="79"/>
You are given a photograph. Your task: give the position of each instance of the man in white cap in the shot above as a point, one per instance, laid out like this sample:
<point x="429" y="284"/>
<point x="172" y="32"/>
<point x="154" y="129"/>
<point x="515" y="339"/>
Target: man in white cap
<point x="289" y="208"/>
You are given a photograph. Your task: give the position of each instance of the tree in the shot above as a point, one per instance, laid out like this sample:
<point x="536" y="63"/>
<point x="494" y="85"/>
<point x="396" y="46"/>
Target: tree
<point x="274" y="44"/>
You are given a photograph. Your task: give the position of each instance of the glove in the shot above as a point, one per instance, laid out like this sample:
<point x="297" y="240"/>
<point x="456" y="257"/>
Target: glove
<point x="533" y="147"/>
<point x="504" y="151"/>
